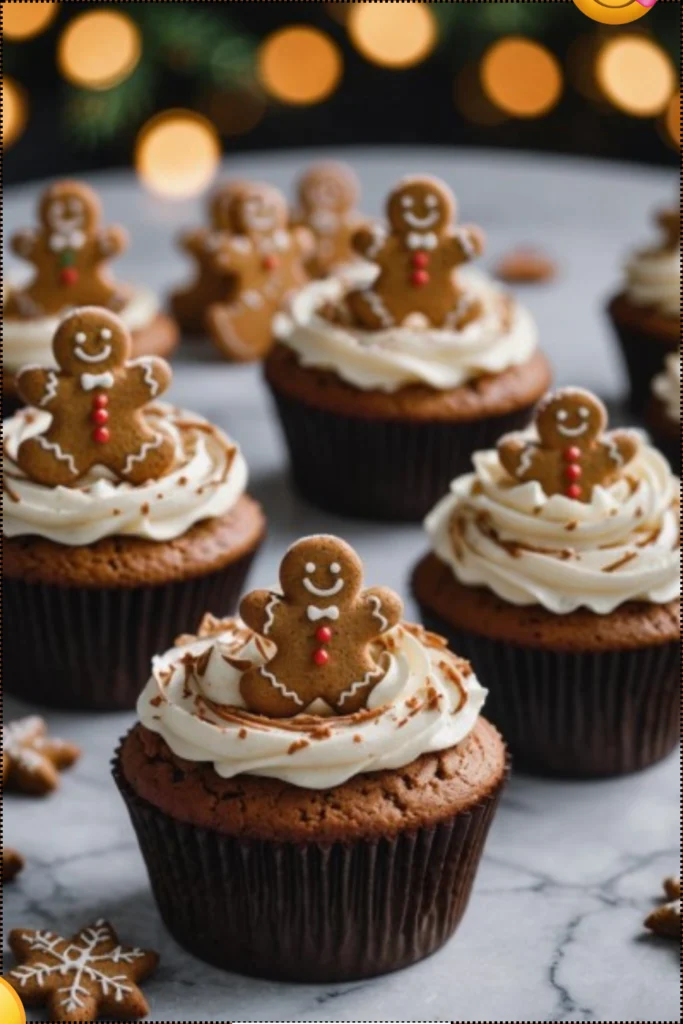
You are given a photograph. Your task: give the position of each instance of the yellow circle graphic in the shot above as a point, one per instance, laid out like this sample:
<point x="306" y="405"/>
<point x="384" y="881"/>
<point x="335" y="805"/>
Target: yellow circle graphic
<point x="11" y="1008"/>
<point x="615" y="12"/>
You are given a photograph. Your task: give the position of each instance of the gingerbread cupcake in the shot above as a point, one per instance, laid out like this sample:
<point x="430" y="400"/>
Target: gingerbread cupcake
<point x="299" y="768"/>
<point x="664" y="412"/>
<point x="647" y="312"/>
<point x="556" y="569"/>
<point x="388" y="377"/>
<point x="122" y="515"/>
<point x="70" y="251"/>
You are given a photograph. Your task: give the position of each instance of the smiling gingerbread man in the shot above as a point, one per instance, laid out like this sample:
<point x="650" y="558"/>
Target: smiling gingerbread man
<point x="322" y="624"/>
<point x="96" y="400"/>
<point x="416" y="259"/>
<point x="573" y="454"/>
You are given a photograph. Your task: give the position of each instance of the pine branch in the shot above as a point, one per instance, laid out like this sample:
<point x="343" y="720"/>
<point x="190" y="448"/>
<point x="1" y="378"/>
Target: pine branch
<point x="97" y="117"/>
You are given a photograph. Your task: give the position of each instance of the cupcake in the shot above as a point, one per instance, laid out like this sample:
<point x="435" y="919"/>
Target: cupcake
<point x="386" y="383"/>
<point x="312" y="784"/>
<point x="122" y="516"/>
<point x="556" y="569"/>
<point x="647" y="313"/>
<point x="664" y="413"/>
<point x="69" y="250"/>
<point x="327" y="195"/>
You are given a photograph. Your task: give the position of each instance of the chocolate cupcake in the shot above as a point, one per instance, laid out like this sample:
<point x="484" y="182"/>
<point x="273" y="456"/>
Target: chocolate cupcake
<point x="386" y="383"/>
<point x="121" y="518"/>
<point x="664" y="412"/>
<point x="288" y="779"/>
<point x="69" y="250"/>
<point x="647" y="312"/>
<point x="556" y="569"/>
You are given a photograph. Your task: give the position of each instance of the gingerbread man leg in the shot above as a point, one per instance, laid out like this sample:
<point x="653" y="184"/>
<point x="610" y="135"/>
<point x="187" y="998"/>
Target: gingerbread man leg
<point x="356" y="697"/>
<point x="243" y="330"/>
<point x="369" y="309"/>
<point x="263" y="694"/>
<point x="45" y="462"/>
<point x="150" y="461"/>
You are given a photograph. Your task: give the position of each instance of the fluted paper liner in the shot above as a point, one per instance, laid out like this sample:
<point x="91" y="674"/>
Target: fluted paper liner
<point x="382" y="468"/>
<point x="575" y="715"/>
<point x="91" y="649"/>
<point x="644" y="357"/>
<point x="310" y="912"/>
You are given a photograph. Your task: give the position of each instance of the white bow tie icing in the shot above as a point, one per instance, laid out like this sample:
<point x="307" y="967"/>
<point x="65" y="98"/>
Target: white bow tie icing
<point x="420" y="240"/>
<point x="67" y="240"/>
<point x="90" y="381"/>
<point x="315" y="614"/>
<point x="324" y="221"/>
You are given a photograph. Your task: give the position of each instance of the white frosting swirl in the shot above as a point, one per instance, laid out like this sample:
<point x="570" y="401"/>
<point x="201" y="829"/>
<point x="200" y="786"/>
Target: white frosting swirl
<point x="504" y="335"/>
<point x="653" y="278"/>
<point x="559" y="553"/>
<point x="30" y="341"/>
<point x="667" y="387"/>
<point x="428" y="701"/>
<point x="208" y="478"/>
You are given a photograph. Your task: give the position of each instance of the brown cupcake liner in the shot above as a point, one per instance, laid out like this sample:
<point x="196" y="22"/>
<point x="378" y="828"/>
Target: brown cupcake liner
<point x="91" y="649"/>
<point x="309" y="912"/>
<point x="576" y="715"/>
<point x="378" y="468"/>
<point x="644" y="358"/>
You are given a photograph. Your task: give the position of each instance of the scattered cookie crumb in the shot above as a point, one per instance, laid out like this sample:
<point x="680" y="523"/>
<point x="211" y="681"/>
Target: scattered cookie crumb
<point x="12" y="864"/>
<point x="526" y="266"/>
<point x="666" y="920"/>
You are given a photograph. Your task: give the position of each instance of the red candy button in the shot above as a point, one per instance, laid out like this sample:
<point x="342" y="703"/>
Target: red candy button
<point x="321" y="657"/>
<point x="573" y="454"/>
<point x="270" y="263"/>
<point x="420" y="278"/>
<point x="100" y="417"/>
<point x="421" y="260"/>
<point x="324" y="635"/>
<point x="101" y="401"/>
<point x="101" y="435"/>
<point x="69" y="276"/>
<point x="574" y="492"/>
<point x="573" y="472"/>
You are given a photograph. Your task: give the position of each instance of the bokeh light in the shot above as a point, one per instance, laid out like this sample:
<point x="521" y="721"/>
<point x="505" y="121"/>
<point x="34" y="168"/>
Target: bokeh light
<point x="99" y="49"/>
<point x="472" y="101"/>
<point x="393" y="35"/>
<point x="14" y="111"/>
<point x="300" y="65"/>
<point x="673" y="119"/>
<point x="521" y="77"/>
<point x="177" y="154"/>
<point x="21" y="20"/>
<point x="635" y="75"/>
<point x="235" y="111"/>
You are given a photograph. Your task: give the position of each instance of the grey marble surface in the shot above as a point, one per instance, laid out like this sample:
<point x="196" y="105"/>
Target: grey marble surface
<point x="554" y="929"/>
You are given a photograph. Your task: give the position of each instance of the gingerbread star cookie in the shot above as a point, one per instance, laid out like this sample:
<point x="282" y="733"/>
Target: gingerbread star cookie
<point x="31" y="759"/>
<point x="12" y="864"/>
<point x="573" y="454"/>
<point x="416" y="259"/>
<point x="327" y="197"/>
<point x="80" y="979"/>
<point x="265" y="258"/>
<point x="666" y="920"/>
<point x="96" y="399"/>
<point x="69" y="251"/>
<point x="211" y="284"/>
<point x="323" y="625"/>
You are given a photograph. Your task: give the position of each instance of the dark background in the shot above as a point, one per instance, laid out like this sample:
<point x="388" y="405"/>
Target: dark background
<point x="69" y="130"/>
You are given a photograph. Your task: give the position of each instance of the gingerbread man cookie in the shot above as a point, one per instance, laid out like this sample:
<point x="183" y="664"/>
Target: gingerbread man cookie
<point x="322" y="624"/>
<point x="327" y="195"/>
<point x="573" y="454"/>
<point x="69" y="251"/>
<point x="266" y="258"/>
<point x="416" y="259"/>
<point x="96" y="400"/>
<point x="211" y="284"/>
<point x="670" y="223"/>
<point x="31" y="759"/>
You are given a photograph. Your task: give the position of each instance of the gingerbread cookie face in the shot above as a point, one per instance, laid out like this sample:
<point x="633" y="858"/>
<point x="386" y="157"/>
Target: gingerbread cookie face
<point x="323" y="625"/>
<point x="96" y="400"/>
<point x="421" y="204"/>
<point x="222" y="205"/>
<point x="573" y="454"/>
<point x="259" y="210"/>
<point x="69" y="251"/>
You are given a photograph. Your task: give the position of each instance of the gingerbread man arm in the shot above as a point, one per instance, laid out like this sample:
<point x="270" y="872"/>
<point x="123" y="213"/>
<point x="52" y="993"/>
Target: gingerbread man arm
<point x="38" y="386"/>
<point x="621" y="447"/>
<point x="195" y="242"/>
<point x="383" y="609"/>
<point x="465" y="244"/>
<point x="514" y="454"/>
<point x="148" y="378"/>
<point x="256" y="610"/>
<point x="112" y="242"/>
<point x="369" y="242"/>
<point x="235" y="256"/>
<point x="25" y="244"/>
<point x="303" y="240"/>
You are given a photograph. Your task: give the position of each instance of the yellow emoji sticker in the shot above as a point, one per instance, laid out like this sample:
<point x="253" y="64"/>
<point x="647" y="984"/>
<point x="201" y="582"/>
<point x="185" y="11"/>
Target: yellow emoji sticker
<point x="11" y="1008"/>
<point x="615" y="12"/>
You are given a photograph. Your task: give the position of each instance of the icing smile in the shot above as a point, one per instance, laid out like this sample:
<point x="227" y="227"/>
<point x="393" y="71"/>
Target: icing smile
<point x="93" y="357"/>
<point x="323" y="591"/>
<point x="573" y="431"/>
<point x="261" y="221"/>
<point x="428" y="221"/>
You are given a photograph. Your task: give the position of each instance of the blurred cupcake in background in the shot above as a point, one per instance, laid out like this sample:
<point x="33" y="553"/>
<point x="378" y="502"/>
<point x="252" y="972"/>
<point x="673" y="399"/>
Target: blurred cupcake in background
<point x="70" y="252"/>
<point x="647" y="312"/>
<point x="555" y="568"/>
<point x="664" y="413"/>
<point x="388" y="376"/>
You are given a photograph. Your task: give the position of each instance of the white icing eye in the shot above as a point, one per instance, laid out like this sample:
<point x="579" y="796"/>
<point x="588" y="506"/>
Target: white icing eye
<point x="584" y="413"/>
<point x="335" y="568"/>
<point x="310" y="567"/>
<point x="105" y="334"/>
<point x="75" y="206"/>
<point x="561" y="415"/>
<point x="432" y="200"/>
<point x="407" y="202"/>
<point x="81" y="338"/>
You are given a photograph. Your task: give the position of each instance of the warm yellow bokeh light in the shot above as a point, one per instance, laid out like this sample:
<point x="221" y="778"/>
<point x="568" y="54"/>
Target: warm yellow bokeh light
<point x="236" y="112"/>
<point x="14" y="111"/>
<point x="673" y="119"/>
<point x="300" y="65"/>
<point x="21" y="20"/>
<point x="636" y="75"/>
<point x="395" y="35"/>
<point x="99" y="49"/>
<point x="177" y="154"/>
<point x="521" y="77"/>
<point x="472" y="101"/>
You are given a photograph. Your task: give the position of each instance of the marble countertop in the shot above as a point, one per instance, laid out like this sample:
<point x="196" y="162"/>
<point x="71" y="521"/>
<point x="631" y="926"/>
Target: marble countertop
<point x="554" y="929"/>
